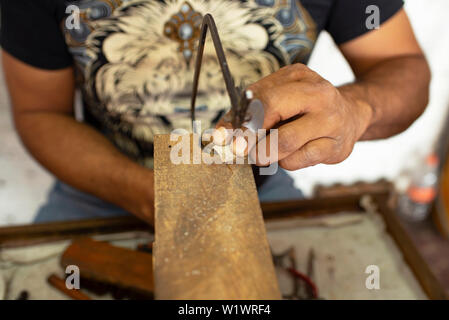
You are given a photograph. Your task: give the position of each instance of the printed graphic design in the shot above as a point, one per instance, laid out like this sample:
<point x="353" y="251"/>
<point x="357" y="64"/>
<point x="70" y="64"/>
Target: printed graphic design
<point x="136" y="60"/>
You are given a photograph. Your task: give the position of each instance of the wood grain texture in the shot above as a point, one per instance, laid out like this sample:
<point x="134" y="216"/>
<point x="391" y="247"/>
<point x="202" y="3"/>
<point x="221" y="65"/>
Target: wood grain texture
<point x="210" y="238"/>
<point x="101" y="261"/>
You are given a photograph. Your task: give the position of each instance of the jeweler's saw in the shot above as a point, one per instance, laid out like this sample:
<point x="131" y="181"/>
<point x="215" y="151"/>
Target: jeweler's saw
<point x="245" y="110"/>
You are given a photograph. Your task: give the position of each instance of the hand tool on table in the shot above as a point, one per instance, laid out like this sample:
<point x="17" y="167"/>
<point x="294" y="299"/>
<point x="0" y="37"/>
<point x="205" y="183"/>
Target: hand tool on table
<point x="245" y="110"/>
<point x="117" y="266"/>
<point x="311" y="271"/>
<point x="299" y="279"/>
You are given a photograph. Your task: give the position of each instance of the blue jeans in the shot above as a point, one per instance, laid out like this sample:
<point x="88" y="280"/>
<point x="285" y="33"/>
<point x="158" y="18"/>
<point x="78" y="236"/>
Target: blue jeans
<point x="66" y="203"/>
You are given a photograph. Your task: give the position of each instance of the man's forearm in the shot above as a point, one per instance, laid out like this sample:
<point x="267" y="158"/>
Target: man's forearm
<point x="85" y="159"/>
<point x="397" y="91"/>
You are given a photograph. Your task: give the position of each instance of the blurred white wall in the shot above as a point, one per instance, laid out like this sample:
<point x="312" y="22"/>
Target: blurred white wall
<point x="23" y="183"/>
<point x="385" y="159"/>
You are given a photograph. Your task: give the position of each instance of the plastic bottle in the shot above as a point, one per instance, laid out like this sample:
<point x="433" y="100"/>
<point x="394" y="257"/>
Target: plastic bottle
<point x="415" y="203"/>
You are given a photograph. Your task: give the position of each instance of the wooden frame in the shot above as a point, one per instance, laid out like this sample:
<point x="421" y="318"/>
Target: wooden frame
<point x="17" y="236"/>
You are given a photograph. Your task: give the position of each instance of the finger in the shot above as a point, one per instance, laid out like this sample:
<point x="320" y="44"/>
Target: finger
<point x="281" y="105"/>
<point x="263" y="89"/>
<point x="222" y="136"/>
<point x="312" y="153"/>
<point x="240" y="146"/>
<point x="287" y="139"/>
<point x="284" y="75"/>
<point x="244" y="141"/>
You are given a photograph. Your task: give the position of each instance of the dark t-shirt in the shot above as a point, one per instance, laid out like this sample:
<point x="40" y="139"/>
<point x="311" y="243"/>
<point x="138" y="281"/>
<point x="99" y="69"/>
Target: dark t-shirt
<point x="134" y="58"/>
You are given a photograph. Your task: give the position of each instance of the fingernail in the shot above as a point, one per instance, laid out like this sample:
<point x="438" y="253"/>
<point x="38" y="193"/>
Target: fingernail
<point x="220" y="136"/>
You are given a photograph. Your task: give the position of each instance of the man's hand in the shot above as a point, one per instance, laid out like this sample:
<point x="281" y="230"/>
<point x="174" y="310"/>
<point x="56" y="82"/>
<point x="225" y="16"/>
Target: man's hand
<point x="319" y="123"/>
<point x="316" y="122"/>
